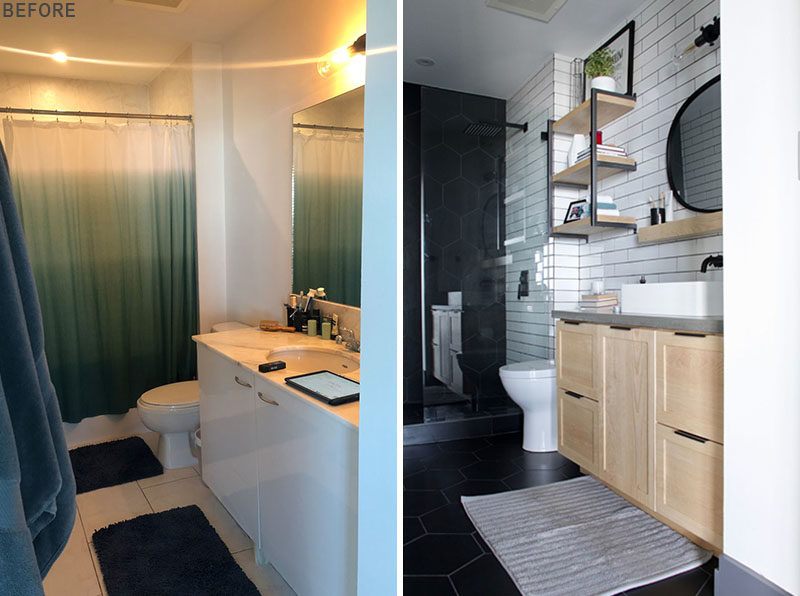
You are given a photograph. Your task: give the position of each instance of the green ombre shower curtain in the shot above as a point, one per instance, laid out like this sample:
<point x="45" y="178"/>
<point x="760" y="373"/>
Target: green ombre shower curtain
<point x="108" y="213"/>
<point x="326" y="217"/>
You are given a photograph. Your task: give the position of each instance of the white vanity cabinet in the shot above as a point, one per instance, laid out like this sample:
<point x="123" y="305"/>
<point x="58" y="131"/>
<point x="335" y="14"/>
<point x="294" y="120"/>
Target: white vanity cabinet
<point x="228" y="423"/>
<point x="308" y="488"/>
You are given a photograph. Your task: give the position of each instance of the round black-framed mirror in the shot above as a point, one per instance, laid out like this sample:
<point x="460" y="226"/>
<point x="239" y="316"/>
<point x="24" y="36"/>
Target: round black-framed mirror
<point x="694" y="159"/>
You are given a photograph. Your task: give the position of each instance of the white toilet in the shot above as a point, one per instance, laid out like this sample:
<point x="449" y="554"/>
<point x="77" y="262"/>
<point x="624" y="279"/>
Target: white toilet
<point x="532" y="386"/>
<point x="173" y="411"/>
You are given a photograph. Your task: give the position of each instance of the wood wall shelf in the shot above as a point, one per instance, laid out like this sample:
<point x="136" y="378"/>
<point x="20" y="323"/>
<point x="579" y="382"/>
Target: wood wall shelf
<point x="584" y="227"/>
<point x="607" y="165"/>
<point x="698" y="226"/>
<point x="609" y="108"/>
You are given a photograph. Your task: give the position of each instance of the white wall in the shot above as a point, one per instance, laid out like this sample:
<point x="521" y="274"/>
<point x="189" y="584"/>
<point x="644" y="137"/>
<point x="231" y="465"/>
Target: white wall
<point x="209" y="157"/>
<point x="258" y="106"/>
<point x="562" y="269"/>
<point x="760" y="99"/>
<point x="171" y="91"/>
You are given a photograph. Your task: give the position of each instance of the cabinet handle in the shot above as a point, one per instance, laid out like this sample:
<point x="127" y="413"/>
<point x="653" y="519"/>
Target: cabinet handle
<point x="620" y="328"/>
<point x="572" y="322"/>
<point x="690" y="334"/>
<point x="683" y="433"/>
<point x="573" y="394"/>
<point x="242" y="383"/>
<point x="267" y="400"/>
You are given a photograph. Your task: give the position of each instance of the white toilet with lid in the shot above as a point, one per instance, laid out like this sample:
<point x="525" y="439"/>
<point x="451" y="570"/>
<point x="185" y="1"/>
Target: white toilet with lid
<point x="532" y="386"/>
<point x="173" y="411"/>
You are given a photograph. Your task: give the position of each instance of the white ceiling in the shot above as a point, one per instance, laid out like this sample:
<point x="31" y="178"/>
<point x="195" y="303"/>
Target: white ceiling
<point x="129" y="33"/>
<point x="483" y="50"/>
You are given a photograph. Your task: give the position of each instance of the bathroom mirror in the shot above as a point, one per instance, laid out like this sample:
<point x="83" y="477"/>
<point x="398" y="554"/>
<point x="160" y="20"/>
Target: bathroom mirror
<point x="694" y="160"/>
<point x="328" y="143"/>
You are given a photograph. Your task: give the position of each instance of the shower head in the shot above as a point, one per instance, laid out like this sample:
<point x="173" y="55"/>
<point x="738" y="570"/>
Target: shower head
<point x="491" y="129"/>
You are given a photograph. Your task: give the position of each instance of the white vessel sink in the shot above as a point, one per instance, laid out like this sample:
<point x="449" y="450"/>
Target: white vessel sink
<point x="677" y="299"/>
<point x="306" y="359"/>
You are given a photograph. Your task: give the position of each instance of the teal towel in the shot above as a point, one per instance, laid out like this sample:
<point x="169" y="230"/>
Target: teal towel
<point x="37" y="488"/>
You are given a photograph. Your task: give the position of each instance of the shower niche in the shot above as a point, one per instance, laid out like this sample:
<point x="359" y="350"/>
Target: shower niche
<point x="454" y="258"/>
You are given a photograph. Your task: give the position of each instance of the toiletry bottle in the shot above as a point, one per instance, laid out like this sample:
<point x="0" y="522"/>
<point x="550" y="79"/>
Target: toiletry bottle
<point x="326" y="329"/>
<point x="335" y="325"/>
<point x="312" y="327"/>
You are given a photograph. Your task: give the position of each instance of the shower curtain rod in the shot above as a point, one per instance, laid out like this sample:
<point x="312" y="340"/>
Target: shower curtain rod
<point x="323" y="127"/>
<point x="33" y="111"/>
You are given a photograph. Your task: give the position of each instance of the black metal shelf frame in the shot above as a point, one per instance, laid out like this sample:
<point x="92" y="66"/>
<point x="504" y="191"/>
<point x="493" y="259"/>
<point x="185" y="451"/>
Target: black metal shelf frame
<point x="548" y="137"/>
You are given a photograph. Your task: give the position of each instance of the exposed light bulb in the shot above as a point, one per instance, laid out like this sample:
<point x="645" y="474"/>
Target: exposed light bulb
<point x="333" y="61"/>
<point x="59" y="56"/>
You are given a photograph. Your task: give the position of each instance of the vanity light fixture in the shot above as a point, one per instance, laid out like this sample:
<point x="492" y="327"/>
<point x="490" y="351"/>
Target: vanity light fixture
<point x="335" y="60"/>
<point x="59" y="56"/>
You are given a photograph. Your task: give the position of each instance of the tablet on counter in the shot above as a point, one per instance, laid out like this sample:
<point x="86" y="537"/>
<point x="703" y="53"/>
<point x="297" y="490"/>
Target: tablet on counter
<point x="326" y="386"/>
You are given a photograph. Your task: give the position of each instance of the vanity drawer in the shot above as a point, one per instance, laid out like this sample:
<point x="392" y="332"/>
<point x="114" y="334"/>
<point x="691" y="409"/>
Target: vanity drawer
<point x="689" y="383"/>
<point x="689" y="483"/>
<point x="579" y="429"/>
<point x="576" y="361"/>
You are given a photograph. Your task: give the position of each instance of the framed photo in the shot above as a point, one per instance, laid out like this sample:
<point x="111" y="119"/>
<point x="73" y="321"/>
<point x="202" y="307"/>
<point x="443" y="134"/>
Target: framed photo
<point x="621" y="45"/>
<point x="577" y="210"/>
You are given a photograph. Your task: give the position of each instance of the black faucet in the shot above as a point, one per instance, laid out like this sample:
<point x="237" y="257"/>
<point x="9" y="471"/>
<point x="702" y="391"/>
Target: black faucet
<point x="712" y="261"/>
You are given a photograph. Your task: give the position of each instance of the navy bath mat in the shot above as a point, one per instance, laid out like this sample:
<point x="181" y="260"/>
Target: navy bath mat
<point x="111" y="463"/>
<point x="175" y="553"/>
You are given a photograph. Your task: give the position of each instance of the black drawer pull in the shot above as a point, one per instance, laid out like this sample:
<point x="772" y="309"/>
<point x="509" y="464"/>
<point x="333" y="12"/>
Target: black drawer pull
<point x="572" y="322"/>
<point x="620" y="328"/>
<point x="681" y="333"/>
<point x="683" y="433"/>
<point x="573" y="394"/>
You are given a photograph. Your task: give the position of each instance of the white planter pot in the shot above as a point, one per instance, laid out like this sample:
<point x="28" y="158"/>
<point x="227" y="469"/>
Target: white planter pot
<point x="604" y="83"/>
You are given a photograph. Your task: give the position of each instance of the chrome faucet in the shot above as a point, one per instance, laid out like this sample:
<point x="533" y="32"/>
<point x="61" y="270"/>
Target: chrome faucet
<point x="351" y="343"/>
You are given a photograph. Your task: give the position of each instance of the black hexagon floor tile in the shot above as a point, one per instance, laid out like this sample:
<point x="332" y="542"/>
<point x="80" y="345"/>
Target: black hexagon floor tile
<point x="419" y="502"/>
<point x="528" y="478"/>
<point x="412" y="466"/>
<point x="550" y="460"/>
<point x="499" y="452"/>
<point x="473" y="487"/>
<point x="489" y="470"/>
<point x="506" y="439"/>
<point x="464" y="445"/>
<point x="484" y="576"/>
<point x="433" y="479"/>
<point x="449" y="461"/>
<point x="412" y="529"/>
<point x="420" y="451"/>
<point x="439" y="554"/>
<point x="449" y="519"/>
<point x="431" y="585"/>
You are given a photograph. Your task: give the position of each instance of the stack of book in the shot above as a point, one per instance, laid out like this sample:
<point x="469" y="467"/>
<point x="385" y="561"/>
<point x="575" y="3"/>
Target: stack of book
<point x="603" y="150"/>
<point x="606" y="207"/>
<point x="599" y="302"/>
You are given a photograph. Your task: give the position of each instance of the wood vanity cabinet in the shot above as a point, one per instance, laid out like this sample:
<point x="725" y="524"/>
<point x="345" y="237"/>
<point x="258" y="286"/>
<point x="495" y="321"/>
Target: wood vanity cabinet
<point x="227" y="419"/>
<point x="626" y="362"/>
<point x="576" y="368"/>
<point x="641" y="409"/>
<point x="579" y="429"/>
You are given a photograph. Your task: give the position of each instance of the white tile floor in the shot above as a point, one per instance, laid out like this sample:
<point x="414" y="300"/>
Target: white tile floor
<point x="77" y="573"/>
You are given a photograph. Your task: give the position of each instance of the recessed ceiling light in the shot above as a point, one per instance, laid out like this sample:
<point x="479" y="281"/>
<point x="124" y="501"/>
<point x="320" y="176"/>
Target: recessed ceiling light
<point x="425" y="61"/>
<point x="59" y="56"/>
<point x="541" y="10"/>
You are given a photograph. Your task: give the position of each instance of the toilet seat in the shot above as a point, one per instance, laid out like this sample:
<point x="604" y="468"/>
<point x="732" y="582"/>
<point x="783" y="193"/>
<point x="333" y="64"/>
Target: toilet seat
<point x="530" y="369"/>
<point x="175" y="396"/>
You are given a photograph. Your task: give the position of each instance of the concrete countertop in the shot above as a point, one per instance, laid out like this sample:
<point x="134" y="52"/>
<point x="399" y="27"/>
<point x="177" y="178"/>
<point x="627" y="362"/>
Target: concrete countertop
<point x="698" y="324"/>
<point x="249" y="347"/>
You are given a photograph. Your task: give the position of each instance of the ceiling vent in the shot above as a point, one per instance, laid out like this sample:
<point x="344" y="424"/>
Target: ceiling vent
<point x="164" y="5"/>
<point x="541" y="10"/>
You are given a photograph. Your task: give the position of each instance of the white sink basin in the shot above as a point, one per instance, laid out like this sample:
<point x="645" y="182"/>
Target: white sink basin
<point x="306" y="359"/>
<point x="677" y="299"/>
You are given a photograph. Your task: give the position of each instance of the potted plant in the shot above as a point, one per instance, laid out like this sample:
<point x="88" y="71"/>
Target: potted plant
<point x="600" y="68"/>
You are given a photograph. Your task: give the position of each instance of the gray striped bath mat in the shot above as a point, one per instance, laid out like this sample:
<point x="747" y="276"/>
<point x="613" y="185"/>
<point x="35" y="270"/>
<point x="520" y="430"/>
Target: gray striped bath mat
<point x="579" y="538"/>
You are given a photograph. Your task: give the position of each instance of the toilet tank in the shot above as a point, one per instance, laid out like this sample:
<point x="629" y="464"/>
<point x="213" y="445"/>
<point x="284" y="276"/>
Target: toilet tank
<point x="228" y="326"/>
